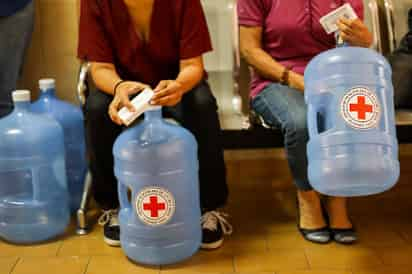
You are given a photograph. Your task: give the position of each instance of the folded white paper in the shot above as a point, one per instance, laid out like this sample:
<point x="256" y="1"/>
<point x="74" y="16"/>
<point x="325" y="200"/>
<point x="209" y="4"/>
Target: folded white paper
<point x="141" y="103"/>
<point x="329" y="21"/>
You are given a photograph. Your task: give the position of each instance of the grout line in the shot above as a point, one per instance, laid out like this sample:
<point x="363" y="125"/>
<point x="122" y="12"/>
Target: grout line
<point x="401" y="235"/>
<point x="233" y="262"/>
<point x="307" y="258"/>
<point x="59" y="248"/>
<point x="87" y="265"/>
<point x="14" y="266"/>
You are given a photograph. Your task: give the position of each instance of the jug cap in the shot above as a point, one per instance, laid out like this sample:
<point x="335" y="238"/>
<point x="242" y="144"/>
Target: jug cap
<point x="153" y="108"/>
<point x="21" y="96"/>
<point x="48" y="83"/>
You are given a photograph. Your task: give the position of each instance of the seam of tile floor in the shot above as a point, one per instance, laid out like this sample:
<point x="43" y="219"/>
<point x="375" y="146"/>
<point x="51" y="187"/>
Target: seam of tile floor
<point x="14" y="265"/>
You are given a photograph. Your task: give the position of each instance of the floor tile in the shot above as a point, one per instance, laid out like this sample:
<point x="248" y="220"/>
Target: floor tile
<point x="342" y="257"/>
<point x="396" y="256"/>
<point x="315" y="271"/>
<point x="384" y="270"/>
<point x="88" y="246"/>
<point x="36" y="250"/>
<point x="250" y="273"/>
<point x="245" y="240"/>
<point x="203" y="262"/>
<point x="6" y="265"/>
<point x="287" y="239"/>
<point x="273" y="260"/>
<point x="115" y="265"/>
<point x="381" y="236"/>
<point x="68" y="265"/>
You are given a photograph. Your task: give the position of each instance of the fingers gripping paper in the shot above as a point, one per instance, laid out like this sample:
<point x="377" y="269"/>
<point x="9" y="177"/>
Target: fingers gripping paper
<point x="141" y="104"/>
<point x="329" y="21"/>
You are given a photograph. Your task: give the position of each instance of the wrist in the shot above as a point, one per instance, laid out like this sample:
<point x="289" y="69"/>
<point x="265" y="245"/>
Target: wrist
<point x="117" y="85"/>
<point x="285" y="78"/>
<point x="296" y="81"/>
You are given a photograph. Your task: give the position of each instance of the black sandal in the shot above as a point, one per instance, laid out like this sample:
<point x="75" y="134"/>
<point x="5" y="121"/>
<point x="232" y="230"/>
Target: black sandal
<point x="319" y="235"/>
<point x="344" y="236"/>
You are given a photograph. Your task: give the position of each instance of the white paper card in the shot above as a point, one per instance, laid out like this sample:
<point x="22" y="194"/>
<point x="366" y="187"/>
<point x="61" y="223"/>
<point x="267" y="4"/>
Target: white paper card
<point x="329" y="21"/>
<point x="141" y="103"/>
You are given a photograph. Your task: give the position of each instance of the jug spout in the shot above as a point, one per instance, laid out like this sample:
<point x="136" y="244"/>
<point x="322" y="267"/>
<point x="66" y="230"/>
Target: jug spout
<point x="153" y="113"/>
<point x="21" y="100"/>
<point x="47" y="87"/>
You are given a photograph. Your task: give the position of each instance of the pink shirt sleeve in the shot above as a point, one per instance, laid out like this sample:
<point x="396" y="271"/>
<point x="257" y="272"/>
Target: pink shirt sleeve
<point x="252" y="12"/>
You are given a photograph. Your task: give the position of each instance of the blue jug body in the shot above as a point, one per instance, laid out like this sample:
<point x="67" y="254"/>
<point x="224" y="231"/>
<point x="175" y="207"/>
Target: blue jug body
<point x="70" y="117"/>
<point x="156" y="166"/>
<point x="353" y="149"/>
<point x="34" y="201"/>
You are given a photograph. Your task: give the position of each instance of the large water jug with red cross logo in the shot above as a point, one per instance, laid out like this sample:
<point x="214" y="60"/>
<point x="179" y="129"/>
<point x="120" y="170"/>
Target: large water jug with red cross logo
<point x="353" y="150"/>
<point x="156" y="166"/>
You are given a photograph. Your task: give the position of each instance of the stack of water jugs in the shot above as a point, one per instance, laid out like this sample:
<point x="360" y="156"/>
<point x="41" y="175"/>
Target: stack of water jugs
<point x="42" y="166"/>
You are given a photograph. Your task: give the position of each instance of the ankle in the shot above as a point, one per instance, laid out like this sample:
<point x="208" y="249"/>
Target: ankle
<point x="310" y="210"/>
<point x="338" y="213"/>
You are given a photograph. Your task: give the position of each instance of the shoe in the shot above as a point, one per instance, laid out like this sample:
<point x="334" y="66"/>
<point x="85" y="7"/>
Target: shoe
<point x="344" y="236"/>
<point x="111" y="228"/>
<point x="320" y="235"/>
<point x="214" y="227"/>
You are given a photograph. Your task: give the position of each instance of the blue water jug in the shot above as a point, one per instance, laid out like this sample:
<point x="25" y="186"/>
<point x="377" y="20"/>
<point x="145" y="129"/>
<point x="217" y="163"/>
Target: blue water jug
<point x="157" y="169"/>
<point x="34" y="201"/>
<point x="70" y="117"/>
<point x="353" y="150"/>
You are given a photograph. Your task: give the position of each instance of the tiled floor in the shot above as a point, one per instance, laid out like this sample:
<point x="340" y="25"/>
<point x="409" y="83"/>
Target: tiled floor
<point x="265" y="241"/>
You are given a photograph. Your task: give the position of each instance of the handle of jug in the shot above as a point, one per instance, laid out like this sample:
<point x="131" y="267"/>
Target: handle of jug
<point x="123" y="196"/>
<point x="312" y="120"/>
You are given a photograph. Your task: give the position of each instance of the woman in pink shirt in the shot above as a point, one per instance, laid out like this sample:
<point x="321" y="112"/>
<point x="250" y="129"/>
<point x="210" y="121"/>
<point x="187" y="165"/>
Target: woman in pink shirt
<point x="278" y="39"/>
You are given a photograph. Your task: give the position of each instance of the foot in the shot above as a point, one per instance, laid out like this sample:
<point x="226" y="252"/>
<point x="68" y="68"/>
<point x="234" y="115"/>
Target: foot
<point x="311" y="222"/>
<point x="111" y="228"/>
<point x="340" y="224"/>
<point x="214" y="227"/>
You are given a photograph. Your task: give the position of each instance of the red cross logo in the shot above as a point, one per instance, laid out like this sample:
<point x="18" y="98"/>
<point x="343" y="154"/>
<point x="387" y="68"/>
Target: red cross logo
<point x="154" y="207"/>
<point x="361" y="108"/>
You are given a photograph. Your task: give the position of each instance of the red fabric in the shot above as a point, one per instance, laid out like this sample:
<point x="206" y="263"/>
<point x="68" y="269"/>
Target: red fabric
<point x="178" y="31"/>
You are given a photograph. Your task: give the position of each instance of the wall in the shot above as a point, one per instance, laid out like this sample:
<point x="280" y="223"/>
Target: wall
<point x="53" y="49"/>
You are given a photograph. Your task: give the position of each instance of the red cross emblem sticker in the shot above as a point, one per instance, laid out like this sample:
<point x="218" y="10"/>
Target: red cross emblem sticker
<point x="155" y="206"/>
<point x="360" y="108"/>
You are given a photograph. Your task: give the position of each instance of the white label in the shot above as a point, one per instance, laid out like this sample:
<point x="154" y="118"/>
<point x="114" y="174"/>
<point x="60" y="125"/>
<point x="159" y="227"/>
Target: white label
<point x="140" y="103"/>
<point x="155" y="206"/>
<point x="329" y="21"/>
<point x="360" y="108"/>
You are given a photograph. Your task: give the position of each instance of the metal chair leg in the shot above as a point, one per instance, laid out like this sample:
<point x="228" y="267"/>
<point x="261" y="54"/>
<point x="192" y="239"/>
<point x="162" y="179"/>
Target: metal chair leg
<point x="82" y="225"/>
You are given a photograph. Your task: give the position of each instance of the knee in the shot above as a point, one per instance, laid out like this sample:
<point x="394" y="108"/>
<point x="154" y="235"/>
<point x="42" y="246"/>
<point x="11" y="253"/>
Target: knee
<point x="297" y="124"/>
<point x="97" y="105"/>
<point x="201" y="99"/>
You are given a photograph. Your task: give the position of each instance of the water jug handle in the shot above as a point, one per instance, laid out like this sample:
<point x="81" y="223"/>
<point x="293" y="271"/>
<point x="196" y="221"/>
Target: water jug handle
<point x="123" y="199"/>
<point x="312" y="121"/>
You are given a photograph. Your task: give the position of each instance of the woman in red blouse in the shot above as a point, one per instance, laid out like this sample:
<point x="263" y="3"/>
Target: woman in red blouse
<point x="158" y="43"/>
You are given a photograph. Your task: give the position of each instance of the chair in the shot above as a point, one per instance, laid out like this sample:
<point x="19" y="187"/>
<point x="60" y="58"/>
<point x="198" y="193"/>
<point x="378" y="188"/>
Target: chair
<point x="82" y="93"/>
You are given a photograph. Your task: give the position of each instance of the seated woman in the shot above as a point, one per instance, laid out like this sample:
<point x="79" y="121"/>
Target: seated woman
<point x="158" y="43"/>
<point x="278" y="39"/>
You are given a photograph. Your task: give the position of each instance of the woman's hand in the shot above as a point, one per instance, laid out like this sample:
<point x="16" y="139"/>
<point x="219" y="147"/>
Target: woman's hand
<point x="121" y="99"/>
<point x="355" y="32"/>
<point x="168" y="93"/>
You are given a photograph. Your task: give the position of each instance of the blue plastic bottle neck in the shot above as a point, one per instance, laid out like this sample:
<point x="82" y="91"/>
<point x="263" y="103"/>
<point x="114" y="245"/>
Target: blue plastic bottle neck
<point x="153" y="115"/>
<point x="50" y="92"/>
<point x="21" y="106"/>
